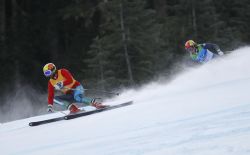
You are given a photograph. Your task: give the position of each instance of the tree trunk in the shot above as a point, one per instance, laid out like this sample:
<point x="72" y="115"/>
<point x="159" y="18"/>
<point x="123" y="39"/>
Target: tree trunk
<point x="125" y="46"/>
<point x="2" y="24"/>
<point x="102" y="75"/>
<point x="160" y="7"/>
<point x="194" y="19"/>
<point x="13" y="17"/>
<point x="101" y="68"/>
<point x="52" y="32"/>
<point x="14" y="47"/>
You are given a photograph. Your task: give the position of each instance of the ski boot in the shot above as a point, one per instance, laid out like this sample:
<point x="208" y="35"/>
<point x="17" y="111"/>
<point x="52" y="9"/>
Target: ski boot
<point x="98" y="105"/>
<point x="73" y="108"/>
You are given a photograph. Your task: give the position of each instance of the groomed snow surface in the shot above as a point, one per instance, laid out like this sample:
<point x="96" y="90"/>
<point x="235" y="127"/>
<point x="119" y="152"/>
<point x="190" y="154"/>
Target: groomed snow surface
<point x="203" y="111"/>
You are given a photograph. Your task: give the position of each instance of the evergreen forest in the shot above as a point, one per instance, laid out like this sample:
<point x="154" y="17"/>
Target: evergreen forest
<point x="111" y="44"/>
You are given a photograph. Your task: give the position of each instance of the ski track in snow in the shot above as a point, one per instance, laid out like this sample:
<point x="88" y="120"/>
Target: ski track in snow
<point x="204" y="111"/>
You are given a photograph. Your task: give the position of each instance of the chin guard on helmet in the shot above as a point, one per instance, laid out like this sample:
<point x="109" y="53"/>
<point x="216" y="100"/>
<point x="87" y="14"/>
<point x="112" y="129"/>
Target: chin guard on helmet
<point x="190" y="46"/>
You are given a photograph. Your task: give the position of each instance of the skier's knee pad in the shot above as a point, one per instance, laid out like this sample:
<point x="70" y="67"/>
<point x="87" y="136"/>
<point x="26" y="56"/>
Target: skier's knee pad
<point x="78" y="93"/>
<point x="78" y="97"/>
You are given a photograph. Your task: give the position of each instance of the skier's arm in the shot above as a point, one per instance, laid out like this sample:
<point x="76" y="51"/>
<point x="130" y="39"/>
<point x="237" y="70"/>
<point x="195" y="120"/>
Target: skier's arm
<point x="50" y="94"/>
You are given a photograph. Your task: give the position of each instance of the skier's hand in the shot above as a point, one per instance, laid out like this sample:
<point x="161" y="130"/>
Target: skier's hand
<point x="59" y="85"/>
<point x="50" y="108"/>
<point x="220" y="52"/>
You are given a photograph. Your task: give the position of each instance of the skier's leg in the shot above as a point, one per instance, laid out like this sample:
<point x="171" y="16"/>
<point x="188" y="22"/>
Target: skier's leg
<point x="67" y="102"/>
<point x="79" y="97"/>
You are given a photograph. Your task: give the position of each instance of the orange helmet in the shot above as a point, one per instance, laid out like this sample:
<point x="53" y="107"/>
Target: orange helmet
<point x="49" y="69"/>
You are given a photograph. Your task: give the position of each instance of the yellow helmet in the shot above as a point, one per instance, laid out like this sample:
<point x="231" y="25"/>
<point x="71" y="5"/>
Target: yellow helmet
<point x="49" y="69"/>
<point x="189" y="43"/>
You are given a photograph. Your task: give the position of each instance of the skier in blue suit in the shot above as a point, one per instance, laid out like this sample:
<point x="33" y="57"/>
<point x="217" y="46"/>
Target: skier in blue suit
<point x="202" y="52"/>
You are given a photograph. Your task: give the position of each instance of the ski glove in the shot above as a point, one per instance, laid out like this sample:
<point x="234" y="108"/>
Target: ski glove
<point x="59" y="85"/>
<point x="50" y="108"/>
<point x="220" y="52"/>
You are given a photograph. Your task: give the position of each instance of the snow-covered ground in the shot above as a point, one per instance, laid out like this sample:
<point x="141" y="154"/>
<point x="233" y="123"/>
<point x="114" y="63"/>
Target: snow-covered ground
<point x="203" y="111"/>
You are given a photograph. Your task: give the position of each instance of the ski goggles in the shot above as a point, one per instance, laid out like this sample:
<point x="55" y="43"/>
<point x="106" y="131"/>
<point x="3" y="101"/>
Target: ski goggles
<point x="48" y="73"/>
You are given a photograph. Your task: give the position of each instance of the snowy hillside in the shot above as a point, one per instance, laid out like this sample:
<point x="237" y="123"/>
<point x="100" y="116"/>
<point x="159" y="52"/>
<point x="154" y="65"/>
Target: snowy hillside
<point x="204" y="111"/>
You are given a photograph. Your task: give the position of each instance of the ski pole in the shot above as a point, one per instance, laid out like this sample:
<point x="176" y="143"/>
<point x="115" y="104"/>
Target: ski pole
<point x="60" y="112"/>
<point x="63" y="113"/>
<point x="101" y="91"/>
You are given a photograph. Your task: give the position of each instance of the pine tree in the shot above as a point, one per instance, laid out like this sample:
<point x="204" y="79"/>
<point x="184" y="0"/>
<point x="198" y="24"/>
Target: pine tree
<point x="127" y="28"/>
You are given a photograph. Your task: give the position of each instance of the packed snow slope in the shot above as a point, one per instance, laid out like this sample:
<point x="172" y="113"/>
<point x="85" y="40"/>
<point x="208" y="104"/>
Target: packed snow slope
<point x="203" y="111"/>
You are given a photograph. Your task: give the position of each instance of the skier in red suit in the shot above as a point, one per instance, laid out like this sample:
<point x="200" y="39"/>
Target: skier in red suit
<point x="72" y="90"/>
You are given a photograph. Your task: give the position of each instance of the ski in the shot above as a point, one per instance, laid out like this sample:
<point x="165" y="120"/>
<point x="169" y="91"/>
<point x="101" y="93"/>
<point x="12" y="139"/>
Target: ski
<point x="72" y="116"/>
<point x="79" y="114"/>
<point x="46" y="121"/>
